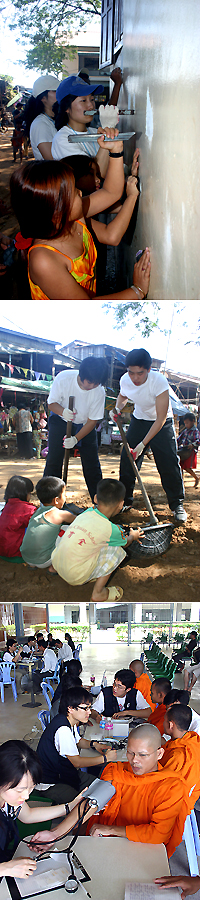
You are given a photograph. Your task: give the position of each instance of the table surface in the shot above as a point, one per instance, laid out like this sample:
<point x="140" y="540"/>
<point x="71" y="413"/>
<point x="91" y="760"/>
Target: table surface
<point x="110" y="863"/>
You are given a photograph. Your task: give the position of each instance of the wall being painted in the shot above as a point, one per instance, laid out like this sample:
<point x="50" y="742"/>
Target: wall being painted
<point x="161" y="65"/>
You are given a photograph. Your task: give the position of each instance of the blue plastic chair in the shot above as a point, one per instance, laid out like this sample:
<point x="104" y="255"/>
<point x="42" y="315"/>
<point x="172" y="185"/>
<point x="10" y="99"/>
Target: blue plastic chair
<point x="7" y="676"/>
<point x="76" y="653"/>
<point x="45" y="688"/>
<point x="192" y="843"/>
<point x="44" y="718"/>
<point x="55" y="676"/>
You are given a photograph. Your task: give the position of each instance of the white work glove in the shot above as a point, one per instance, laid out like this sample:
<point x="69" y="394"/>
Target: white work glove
<point x="112" y="413"/>
<point x="70" y="442"/>
<point x="137" y="450"/>
<point x="68" y="414"/>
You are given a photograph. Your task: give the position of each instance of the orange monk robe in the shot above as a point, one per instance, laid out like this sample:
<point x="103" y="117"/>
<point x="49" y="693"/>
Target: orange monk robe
<point x="183" y="756"/>
<point x="157" y="717"/>
<point x="143" y="684"/>
<point x="152" y="807"/>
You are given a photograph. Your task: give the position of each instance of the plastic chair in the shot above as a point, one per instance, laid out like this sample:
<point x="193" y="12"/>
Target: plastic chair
<point x="45" y="688"/>
<point x="192" y="843"/>
<point x="44" y="718"/>
<point x="76" y="653"/>
<point x="7" y="676"/>
<point x="55" y="675"/>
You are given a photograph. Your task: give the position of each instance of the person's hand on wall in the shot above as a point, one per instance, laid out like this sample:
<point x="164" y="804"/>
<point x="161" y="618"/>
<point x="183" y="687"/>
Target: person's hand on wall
<point x="141" y="273"/>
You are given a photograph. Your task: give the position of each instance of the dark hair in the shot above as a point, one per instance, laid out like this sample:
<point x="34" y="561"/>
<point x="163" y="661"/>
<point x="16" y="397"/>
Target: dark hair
<point x="193" y="632"/>
<point x="48" y="488"/>
<point x="110" y="491"/>
<point x="62" y="117"/>
<point x="34" y="107"/>
<point x="139" y="358"/>
<point x="181" y="715"/>
<point x="17" y="758"/>
<point x="176" y="696"/>
<point x="82" y="168"/>
<point x="190" y="416"/>
<point x="74" y="668"/>
<point x="38" y="634"/>
<point x="73" y="697"/>
<point x="18" y="487"/>
<point x="126" y="677"/>
<point x="69" y="640"/>
<point x="42" y="195"/>
<point x="42" y="643"/>
<point x="94" y="369"/>
<point x="70" y="680"/>
<point x="10" y="641"/>
<point x="162" y="684"/>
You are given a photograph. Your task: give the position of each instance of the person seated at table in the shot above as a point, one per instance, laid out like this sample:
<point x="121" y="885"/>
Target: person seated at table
<point x="159" y="688"/>
<point x="150" y="804"/>
<point x="43" y="530"/>
<point x="69" y="640"/>
<point x="60" y="743"/>
<point x="51" y="640"/>
<point x="178" y="696"/>
<point x="189" y="884"/>
<point x="29" y="647"/>
<point x="63" y="650"/>
<point x="15" y="515"/>
<point x="10" y="656"/>
<point x="186" y="651"/>
<point x="20" y="770"/>
<point x="120" y="699"/>
<point x="70" y="677"/>
<point x="92" y="549"/>
<point x="182" y="751"/>
<point x="143" y="682"/>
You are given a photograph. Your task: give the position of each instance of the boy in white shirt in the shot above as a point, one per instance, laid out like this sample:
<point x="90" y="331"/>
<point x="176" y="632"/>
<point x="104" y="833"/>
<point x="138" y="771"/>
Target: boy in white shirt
<point x="151" y="425"/>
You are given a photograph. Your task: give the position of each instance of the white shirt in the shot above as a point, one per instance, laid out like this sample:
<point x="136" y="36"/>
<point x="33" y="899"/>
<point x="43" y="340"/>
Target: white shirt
<point x="66" y="741"/>
<point x="7" y="657"/>
<point x="50" y="660"/>
<point x="65" y="652"/>
<point x="144" y="395"/>
<point x="141" y="703"/>
<point x="88" y="404"/>
<point x="195" y="723"/>
<point x="42" y="131"/>
<point x="61" y="146"/>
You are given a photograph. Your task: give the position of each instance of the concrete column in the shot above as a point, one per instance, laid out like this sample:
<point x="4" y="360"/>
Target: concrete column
<point x="19" y="622"/>
<point x="47" y="618"/>
<point x="67" y="614"/>
<point x="195" y="610"/>
<point x="179" y="612"/>
<point x="82" y="614"/>
<point x="138" y="613"/>
<point x="129" y="622"/>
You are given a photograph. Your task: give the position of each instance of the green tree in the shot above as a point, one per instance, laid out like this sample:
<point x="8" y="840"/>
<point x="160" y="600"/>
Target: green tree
<point x="145" y="314"/>
<point x="7" y="91"/>
<point x="45" y="25"/>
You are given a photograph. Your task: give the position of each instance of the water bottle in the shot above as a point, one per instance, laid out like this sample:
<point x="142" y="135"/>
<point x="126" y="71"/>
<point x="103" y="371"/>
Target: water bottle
<point x="104" y="680"/>
<point x="108" y="724"/>
<point x="102" y="722"/>
<point x="92" y="679"/>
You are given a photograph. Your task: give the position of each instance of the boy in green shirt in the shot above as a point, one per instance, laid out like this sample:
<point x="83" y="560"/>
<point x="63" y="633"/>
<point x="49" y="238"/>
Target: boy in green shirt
<point x="39" y="540"/>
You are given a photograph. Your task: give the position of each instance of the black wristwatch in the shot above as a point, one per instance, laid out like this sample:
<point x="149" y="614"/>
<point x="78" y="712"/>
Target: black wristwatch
<point x="104" y="757"/>
<point x="92" y="746"/>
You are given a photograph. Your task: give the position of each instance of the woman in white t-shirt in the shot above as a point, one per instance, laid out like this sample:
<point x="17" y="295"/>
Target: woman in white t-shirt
<point x="151" y="425"/>
<point x="39" y="116"/>
<point x="86" y="387"/>
<point x="75" y="113"/>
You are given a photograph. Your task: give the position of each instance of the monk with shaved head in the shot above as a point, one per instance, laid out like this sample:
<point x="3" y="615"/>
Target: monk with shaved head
<point x="142" y="683"/>
<point x="149" y="804"/>
<point x="159" y="689"/>
<point x="182" y="752"/>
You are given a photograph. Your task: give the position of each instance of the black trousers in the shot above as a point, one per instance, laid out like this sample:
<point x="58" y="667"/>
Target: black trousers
<point x="88" y="448"/>
<point x="164" y="450"/>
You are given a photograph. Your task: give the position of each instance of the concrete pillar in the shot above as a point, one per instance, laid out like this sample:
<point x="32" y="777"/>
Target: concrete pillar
<point x="67" y="614"/>
<point x="19" y="621"/>
<point x="129" y="622"/>
<point x="179" y="612"/>
<point x="195" y="610"/>
<point x="82" y="614"/>
<point x="138" y="613"/>
<point x="47" y="618"/>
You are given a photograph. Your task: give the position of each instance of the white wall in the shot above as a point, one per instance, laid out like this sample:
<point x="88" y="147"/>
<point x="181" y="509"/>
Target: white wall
<point x="161" y="63"/>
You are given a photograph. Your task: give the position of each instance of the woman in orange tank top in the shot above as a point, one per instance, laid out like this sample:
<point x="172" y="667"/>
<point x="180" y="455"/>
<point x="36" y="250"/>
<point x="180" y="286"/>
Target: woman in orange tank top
<point x="51" y="211"/>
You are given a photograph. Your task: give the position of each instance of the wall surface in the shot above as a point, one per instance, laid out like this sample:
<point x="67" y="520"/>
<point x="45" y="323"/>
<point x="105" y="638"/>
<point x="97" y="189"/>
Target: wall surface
<point x="161" y="65"/>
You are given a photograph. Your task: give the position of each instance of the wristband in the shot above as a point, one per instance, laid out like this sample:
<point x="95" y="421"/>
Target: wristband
<point x="104" y="757"/>
<point x="116" y="155"/>
<point x="138" y="292"/>
<point x="67" y="809"/>
<point x="92" y="745"/>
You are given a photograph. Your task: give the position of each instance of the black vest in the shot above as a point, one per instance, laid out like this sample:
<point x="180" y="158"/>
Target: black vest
<point x="111" y="705"/>
<point x="8" y="833"/>
<point x="55" y="767"/>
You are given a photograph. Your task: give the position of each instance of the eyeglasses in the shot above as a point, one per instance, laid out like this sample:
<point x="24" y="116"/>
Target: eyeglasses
<point x="84" y="707"/>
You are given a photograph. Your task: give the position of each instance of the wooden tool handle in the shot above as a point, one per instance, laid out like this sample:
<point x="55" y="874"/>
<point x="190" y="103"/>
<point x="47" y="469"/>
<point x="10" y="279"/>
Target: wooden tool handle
<point x="68" y="434"/>
<point x="153" y="519"/>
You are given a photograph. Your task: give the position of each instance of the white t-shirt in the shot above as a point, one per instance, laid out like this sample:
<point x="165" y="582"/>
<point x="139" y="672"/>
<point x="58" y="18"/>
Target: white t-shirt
<point x="7" y="657"/>
<point x="61" y="147"/>
<point x="195" y="723"/>
<point x="42" y="131"/>
<point x="65" y="652"/>
<point x="144" y="395"/>
<point x="88" y="404"/>
<point x="141" y="703"/>
<point x="66" y="741"/>
<point x="50" y="660"/>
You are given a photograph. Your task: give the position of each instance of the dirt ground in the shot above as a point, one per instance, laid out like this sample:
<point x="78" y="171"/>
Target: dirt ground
<point x="173" y="576"/>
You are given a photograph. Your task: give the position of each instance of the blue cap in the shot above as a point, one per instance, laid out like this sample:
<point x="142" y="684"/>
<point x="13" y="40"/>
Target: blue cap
<point x="76" y="86"/>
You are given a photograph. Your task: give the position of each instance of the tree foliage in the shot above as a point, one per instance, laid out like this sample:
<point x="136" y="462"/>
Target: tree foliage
<point x="44" y="26"/>
<point x="145" y="314"/>
<point x="7" y="90"/>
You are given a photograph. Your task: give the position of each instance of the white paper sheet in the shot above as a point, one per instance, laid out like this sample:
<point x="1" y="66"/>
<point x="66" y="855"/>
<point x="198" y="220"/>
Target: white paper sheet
<point x="134" y="891"/>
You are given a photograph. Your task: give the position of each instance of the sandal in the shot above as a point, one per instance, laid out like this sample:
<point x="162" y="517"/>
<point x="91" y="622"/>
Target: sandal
<point x="115" y="593"/>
